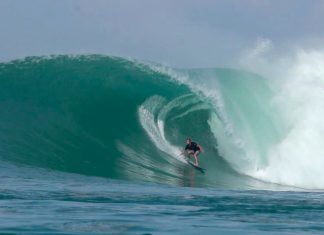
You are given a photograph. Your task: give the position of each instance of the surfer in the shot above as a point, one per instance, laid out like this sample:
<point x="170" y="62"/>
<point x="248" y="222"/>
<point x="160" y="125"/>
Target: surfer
<point x="193" y="148"/>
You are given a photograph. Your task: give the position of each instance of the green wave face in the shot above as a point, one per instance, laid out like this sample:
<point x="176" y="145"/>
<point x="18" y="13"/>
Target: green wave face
<point x="116" y="118"/>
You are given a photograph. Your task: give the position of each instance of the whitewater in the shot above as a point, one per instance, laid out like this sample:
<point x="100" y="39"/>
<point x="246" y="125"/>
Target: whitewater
<point x="267" y="126"/>
<point x="102" y="136"/>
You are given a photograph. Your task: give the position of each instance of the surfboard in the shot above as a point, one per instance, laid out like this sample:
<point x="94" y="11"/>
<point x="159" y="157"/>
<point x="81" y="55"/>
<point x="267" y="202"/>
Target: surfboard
<point x="202" y="170"/>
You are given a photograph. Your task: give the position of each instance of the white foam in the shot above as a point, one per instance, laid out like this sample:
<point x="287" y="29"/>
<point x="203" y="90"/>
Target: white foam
<point x="298" y="159"/>
<point x="154" y="126"/>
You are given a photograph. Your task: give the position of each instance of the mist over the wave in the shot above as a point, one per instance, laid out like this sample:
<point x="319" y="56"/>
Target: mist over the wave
<point x="297" y="79"/>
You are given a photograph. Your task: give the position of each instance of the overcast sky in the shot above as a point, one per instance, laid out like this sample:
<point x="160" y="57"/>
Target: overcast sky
<point x="181" y="33"/>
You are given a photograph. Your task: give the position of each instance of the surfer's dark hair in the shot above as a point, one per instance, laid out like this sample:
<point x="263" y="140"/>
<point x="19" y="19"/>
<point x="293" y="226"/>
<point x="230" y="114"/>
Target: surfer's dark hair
<point x="189" y="139"/>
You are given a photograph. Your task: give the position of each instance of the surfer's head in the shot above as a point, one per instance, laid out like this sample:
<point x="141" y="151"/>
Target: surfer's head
<point x="189" y="140"/>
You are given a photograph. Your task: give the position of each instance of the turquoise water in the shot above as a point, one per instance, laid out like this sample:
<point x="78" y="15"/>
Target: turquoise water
<point x="90" y="145"/>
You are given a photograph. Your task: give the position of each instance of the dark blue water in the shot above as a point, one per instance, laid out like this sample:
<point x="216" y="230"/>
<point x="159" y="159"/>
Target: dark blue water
<point x="35" y="201"/>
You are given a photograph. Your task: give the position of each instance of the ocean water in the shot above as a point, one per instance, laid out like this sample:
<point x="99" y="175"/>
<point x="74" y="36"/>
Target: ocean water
<point x="90" y="145"/>
<point x="38" y="201"/>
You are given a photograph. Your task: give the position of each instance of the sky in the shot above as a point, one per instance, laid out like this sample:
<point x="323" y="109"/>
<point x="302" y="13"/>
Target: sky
<point x="179" y="33"/>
